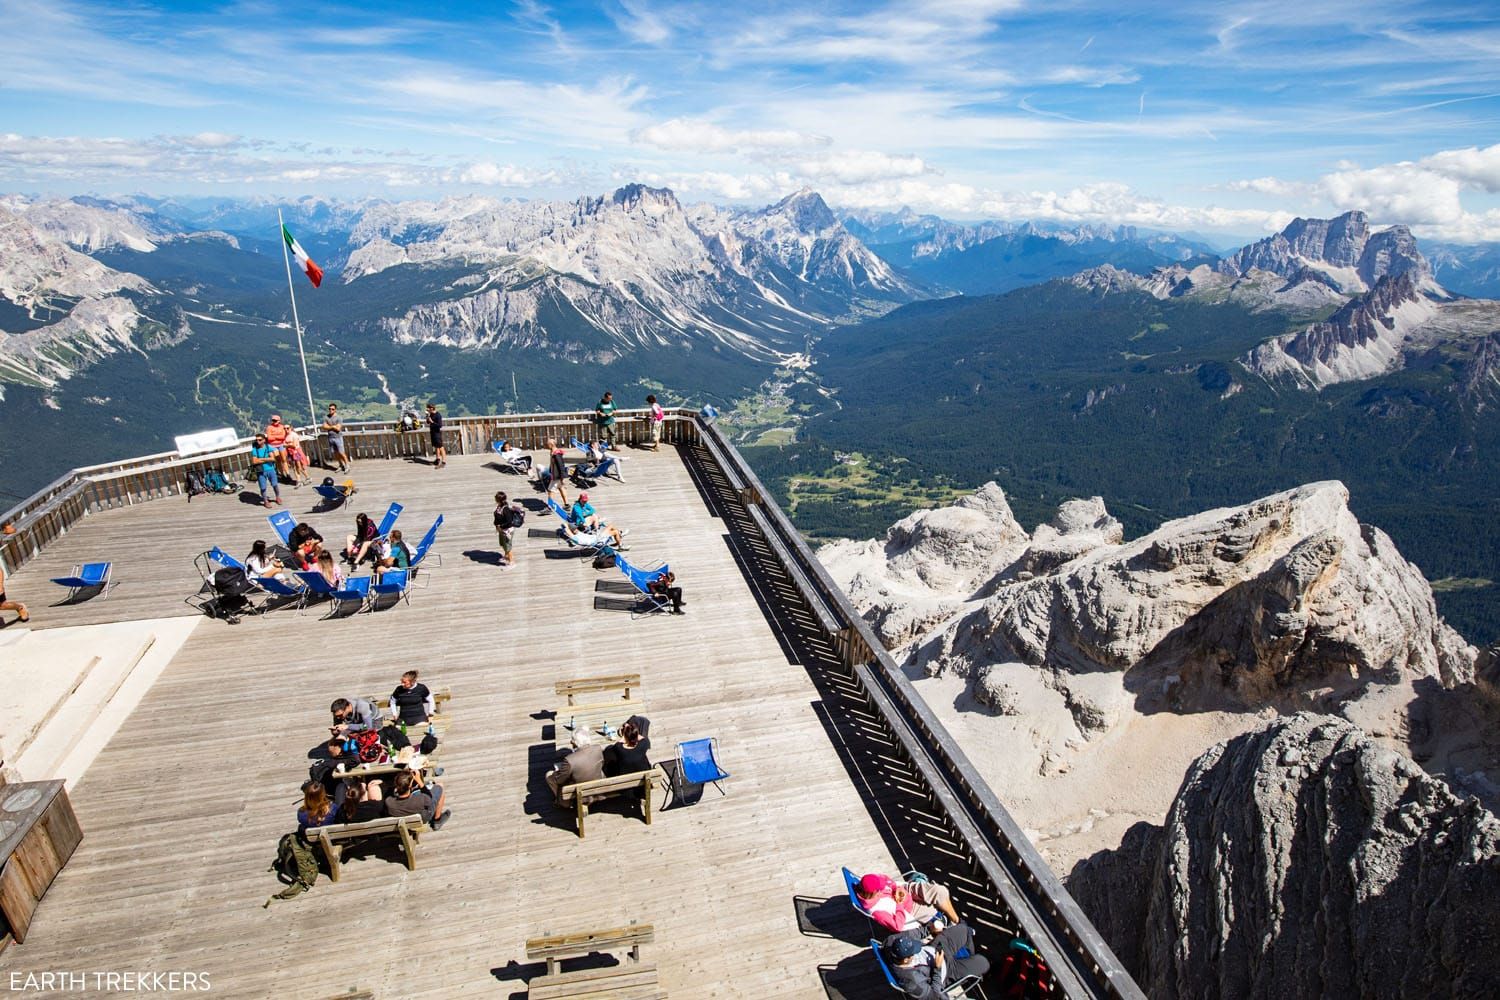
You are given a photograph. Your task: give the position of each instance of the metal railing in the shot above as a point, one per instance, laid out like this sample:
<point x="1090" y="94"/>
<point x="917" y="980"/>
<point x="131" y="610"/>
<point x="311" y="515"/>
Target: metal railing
<point x="1041" y="907"/>
<point x="1083" y="964"/>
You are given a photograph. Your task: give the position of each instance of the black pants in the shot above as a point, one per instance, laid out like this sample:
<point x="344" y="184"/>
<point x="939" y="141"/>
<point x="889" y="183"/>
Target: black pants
<point x="952" y="939"/>
<point x="673" y="594"/>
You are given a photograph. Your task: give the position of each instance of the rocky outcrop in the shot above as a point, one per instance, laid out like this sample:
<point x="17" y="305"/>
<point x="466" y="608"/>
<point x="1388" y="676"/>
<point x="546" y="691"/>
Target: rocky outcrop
<point x="1305" y="860"/>
<point x="1286" y="598"/>
<point x="1342" y="250"/>
<point x="1081" y="526"/>
<point x="929" y="563"/>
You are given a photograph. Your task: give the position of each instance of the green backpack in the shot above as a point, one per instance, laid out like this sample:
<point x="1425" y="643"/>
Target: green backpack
<point x="296" y="865"/>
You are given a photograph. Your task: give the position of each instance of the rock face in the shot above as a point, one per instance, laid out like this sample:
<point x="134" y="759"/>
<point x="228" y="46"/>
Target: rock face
<point x="929" y="563"/>
<point x="1284" y="598"/>
<point x="1305" y="860"/>
<point x="1342" y="249"/>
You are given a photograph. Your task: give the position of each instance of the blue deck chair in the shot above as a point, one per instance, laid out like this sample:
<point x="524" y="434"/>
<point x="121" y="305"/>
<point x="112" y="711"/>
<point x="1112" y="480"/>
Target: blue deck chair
<point x="392" y="582"/>
<point x="698" y="763"/>
<point x="282" y="522"/>
<point x="223" y="559"/>
<point x="419" y="554"/>
<point x="337" y="494"/>
<point x="954" y="990"/>
<point x="609" y="466"/>
<point x="277" y="587"/>
<point x="639" y="578"/>
<point x="389" y="521"/>
<point x="508" y="459"/>
<point x="356" y="588"/>
<point x="89" y="576"/>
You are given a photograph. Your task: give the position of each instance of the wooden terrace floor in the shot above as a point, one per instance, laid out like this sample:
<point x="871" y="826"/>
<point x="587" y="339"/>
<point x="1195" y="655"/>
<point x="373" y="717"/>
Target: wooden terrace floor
<point x="182" y="810"/>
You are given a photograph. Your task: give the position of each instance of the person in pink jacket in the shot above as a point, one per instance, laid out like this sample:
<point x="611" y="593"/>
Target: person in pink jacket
<point x="897" y="905"/>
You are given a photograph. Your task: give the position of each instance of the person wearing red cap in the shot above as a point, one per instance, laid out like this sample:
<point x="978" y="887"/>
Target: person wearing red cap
<point x="897" y="905"/>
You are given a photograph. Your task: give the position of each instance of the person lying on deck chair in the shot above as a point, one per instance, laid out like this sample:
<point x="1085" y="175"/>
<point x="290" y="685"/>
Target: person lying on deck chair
<point x="597" y="538"/>
<point x="515" y="459"/>
<point x="892" y="903"/>
<point x="353" y="715"/>
<point x="924" y="970"/>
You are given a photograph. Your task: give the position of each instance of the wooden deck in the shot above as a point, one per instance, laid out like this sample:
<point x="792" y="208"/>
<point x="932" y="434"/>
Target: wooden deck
<point x="182" y="810"/>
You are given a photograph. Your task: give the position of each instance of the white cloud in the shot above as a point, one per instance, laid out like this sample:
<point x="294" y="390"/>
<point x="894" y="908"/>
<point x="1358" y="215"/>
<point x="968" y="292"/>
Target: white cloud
<point x="858" y="166"/>
<point x="686" y="134"/>
<point x="640" y="22"/>
<point x="1473" y="167"/>
<point x="1399" y="192"/>
<point x="1273" y="186"/>
<point x="1091" y="76"/>
<point x="496" y="175"/>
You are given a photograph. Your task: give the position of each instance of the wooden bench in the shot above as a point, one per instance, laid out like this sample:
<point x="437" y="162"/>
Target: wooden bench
<point x="333" y="838"/>
<point x="585" y="792"/>
<point x="630" y="980"/>
<point x="623" y="683"/>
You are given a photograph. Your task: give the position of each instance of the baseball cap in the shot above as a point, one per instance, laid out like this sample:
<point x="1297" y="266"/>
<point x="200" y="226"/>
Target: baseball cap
<point x="871" y="884"/>
<point x="904" y="947"/>
<point x="583" y="496"/>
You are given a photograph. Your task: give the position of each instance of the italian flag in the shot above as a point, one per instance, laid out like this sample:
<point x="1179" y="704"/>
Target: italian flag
<point x="313" y="271"/>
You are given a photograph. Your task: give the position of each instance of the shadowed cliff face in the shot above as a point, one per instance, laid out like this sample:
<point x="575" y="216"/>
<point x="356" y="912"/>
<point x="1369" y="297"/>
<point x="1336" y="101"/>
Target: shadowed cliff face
<point x="1304" y="860"/>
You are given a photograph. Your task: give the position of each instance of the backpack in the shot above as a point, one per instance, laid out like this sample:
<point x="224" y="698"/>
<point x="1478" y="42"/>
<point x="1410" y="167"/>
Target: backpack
<point x="215" y="482"/>
<point x="604" y="560"/>
<point x="368" y="748"/>
<point x="1022" y="974"/>
<point x="515" y="517"/>
<point x="295" y="864"/>
<point x="195" y="484"/>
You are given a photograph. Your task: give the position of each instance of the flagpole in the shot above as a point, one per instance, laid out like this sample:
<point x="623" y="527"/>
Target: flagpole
<point x="306" y="382"/>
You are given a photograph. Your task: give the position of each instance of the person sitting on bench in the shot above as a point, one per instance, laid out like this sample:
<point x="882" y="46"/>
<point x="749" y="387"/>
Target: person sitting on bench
<point x="411" y="702"/>
<point x="892" y="903"/>
<point x="363" y="799"/>
<point x="411" y="799"/>
<point x="924" y="970"/>
<point x="353" y="715"/>
<point x="628" y="756"/>
<point x="317" y="808"/>
<point x="664" y="585"/>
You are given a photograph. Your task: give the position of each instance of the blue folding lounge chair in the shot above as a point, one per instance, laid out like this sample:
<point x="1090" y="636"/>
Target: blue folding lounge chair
<point x="698" y="763"/>
<point x="223" y="559"/>
<point x="419" y="555"/>
<point x="89" y="576"/>
<point x="640" y="578"/>
<point x="509" y="459"/>
<point x="282" y="522"/>
<point x="392" y="582"/>
<point x="337" y="494"/>
<point x="356" y="588"/>
<point x="389" y="521"/>
<point x="277" y="587"/>
<point x="572" y="541"/>
<point x="954" y="990"/>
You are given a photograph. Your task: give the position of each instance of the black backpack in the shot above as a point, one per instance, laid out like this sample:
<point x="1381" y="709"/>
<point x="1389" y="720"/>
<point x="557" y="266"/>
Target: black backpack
<point x="195" y="484"/>
<point x="231" y="581"/>
<point x="604" y="560"/>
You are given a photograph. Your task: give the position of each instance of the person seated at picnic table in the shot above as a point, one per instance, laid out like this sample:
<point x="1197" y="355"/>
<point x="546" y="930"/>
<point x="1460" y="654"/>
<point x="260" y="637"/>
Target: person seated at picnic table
<point x="925" y="970"/>
<point x="411" y="798"/>
<point x="664" y="585"/>
<point x="515" y="458"/>
<point x="353" y="715"/>
<point x="317" y="808"/>
<point x="276" y="437"/>
<point x="893" y="904"/>
<point x="360" y="799"/>
<point x="296" y="458"/>
<point x="412" y="702"/>
<point x="393" y="554"/>
<point x="329" y="569"/>
<point x="628" y="756"/>
<point x="357" y="545"/>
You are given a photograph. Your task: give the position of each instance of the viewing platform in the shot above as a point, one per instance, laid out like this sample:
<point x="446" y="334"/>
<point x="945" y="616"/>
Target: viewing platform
<point x="834" y="760"/>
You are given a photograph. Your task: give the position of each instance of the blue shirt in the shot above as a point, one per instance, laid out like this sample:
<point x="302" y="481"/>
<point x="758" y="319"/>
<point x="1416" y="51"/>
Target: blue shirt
<point x="582" y="511"/>
<point x="265" y="456"/>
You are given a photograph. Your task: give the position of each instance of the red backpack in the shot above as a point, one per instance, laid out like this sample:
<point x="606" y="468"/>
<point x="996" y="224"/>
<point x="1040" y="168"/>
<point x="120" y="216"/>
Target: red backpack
<point x="368" y="748"/>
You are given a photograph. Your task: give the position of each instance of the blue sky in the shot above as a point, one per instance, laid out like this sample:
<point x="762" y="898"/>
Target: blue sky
<point x="1228" y="117"/>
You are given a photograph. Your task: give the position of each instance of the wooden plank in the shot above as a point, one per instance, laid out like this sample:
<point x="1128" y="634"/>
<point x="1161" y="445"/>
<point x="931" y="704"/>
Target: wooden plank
<point x="589" y="685"/>
<point x="579" y="943"/>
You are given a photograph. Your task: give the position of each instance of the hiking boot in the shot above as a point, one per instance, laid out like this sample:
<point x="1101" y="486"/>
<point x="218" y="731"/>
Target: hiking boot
<point x="437" y="824"/>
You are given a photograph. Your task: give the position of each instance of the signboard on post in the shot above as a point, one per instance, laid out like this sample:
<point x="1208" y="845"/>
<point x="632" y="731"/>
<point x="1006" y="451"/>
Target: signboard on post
<point x="192" y="444"/>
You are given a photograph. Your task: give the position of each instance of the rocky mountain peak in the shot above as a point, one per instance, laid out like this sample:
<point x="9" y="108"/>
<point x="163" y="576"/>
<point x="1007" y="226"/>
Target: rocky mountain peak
<point x="1342" y="250"/>
<point x="806" y="212"/>
<point x="1305" y="860"/>
<point x="634" y="196"/>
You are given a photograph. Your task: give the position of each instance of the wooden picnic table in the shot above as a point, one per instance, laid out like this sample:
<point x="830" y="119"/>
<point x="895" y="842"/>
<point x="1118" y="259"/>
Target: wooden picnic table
<point x="593" y="718"/>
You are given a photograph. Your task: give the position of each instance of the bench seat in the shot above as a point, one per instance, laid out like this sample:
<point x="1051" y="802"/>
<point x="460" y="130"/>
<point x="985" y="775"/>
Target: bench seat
<point x="585" y="792"/>
<point x="333" y="838"/>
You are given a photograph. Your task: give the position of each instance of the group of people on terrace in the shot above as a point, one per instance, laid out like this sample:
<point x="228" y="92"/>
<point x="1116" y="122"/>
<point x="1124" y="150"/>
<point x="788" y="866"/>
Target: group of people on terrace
<point x="927" y="947"/>
<point x="361" y="738"/>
